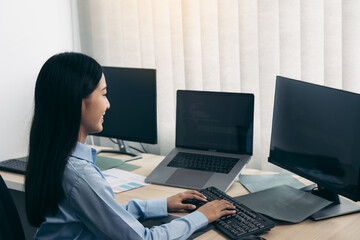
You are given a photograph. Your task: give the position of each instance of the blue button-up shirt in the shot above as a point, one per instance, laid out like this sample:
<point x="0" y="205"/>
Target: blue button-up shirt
<point x="90" y="211"/>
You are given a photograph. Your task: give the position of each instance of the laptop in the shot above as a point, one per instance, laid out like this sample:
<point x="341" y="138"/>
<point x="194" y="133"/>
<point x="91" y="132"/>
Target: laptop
<point x="214" y="140"/>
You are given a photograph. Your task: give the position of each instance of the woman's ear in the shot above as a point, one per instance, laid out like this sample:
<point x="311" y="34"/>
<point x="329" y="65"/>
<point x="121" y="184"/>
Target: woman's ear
<point x="83" y="105"/>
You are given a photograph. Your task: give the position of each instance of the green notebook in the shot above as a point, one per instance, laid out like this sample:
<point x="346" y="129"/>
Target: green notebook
<point x="104" y="163"/>
<point x="24" y="159"/>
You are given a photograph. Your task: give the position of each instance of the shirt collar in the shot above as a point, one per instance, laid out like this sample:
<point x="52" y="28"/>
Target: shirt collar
<point x="82" y="151"/>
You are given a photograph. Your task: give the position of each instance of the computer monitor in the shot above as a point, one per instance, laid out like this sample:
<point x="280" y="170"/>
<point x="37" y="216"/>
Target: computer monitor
<point x="132" y="114"/>
<point x="316" y="135"/>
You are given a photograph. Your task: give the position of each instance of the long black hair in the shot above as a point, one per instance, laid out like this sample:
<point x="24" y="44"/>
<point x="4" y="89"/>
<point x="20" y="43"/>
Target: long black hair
<point x="63" y="81"/>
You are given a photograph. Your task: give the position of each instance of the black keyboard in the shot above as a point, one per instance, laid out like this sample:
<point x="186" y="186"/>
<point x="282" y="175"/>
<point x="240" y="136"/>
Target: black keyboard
<point x="203" y="162"/>
<point x="243" y="223"/>
<point x="13" y="165"/>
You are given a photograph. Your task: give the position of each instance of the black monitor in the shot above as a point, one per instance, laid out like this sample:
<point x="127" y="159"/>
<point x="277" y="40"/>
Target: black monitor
<point x="316" y="135"/>
<point x="132" y="114"/>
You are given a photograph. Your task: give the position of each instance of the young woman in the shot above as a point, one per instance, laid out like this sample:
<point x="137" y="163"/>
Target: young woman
<point x="66" y="195"/>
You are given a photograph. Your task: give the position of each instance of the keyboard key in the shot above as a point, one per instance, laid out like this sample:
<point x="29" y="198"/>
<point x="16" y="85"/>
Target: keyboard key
<point x="203" y="162"/>
<point x="13" y="165"/>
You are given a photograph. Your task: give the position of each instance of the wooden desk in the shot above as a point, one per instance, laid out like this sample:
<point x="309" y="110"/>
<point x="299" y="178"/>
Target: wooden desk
<point x="344" y="227"/>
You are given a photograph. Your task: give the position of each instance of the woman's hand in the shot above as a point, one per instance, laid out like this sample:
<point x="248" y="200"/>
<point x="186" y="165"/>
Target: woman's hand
<point x="216" y="209"/>
<point x="175" y="203"/>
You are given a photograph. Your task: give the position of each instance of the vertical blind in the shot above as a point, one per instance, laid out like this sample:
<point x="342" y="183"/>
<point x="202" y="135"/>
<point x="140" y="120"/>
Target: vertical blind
<point x="225" y="45"/>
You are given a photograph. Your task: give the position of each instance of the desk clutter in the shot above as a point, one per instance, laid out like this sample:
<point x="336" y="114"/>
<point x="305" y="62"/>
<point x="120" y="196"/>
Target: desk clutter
<point x="117" y="174"/>
<point x="303" y="230"/>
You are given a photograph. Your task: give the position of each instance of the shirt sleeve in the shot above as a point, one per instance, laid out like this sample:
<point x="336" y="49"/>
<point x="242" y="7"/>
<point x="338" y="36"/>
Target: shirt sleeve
<point x="92" y="199"/>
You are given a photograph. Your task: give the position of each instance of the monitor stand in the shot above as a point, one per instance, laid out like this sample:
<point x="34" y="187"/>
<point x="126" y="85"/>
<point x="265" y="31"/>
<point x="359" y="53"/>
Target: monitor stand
<point x="340" y="206"/>
<point x="123" y="149"/>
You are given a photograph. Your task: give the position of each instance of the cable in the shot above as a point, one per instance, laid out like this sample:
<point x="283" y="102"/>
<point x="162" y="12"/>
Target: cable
<point x="136" y="149"/>
<point x="143" y="148"/>
<point x="314" y="190"/>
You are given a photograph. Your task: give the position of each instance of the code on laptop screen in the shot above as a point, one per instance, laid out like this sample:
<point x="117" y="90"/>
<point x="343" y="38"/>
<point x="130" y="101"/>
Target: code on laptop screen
<point x="215" y="121"/>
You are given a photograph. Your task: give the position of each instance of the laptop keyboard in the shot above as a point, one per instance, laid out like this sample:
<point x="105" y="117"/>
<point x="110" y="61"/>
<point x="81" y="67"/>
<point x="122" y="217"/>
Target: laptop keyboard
<point x="13" y="165"/>
<point x="203" y="162"/>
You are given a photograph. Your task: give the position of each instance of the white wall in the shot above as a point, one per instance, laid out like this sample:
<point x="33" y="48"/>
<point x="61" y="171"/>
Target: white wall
<point x="30" y="32"/>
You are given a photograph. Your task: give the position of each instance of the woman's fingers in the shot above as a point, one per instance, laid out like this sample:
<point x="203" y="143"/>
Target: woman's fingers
<point x="192" y="194"/>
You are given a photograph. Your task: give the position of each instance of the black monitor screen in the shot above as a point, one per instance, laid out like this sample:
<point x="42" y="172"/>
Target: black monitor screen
<point x="216" y="121"/>
<point x="132" y="97"/>
<point x="316" y="134"/>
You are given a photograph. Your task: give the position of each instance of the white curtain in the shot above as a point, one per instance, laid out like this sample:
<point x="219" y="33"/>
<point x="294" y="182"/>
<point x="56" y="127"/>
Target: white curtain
<point x="225" y="45"/>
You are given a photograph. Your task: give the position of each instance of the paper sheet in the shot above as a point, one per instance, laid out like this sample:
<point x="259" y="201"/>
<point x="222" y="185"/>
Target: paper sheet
<point x="121" y="180"/>
<point x="255" y="183"/>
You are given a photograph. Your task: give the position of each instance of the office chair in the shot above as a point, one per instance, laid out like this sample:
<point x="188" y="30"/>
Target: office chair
<point x="10" y="223"/>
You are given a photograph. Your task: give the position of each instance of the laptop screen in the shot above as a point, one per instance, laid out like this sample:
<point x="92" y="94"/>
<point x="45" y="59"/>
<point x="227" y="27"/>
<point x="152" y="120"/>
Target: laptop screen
<point x="215" y="121"/>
